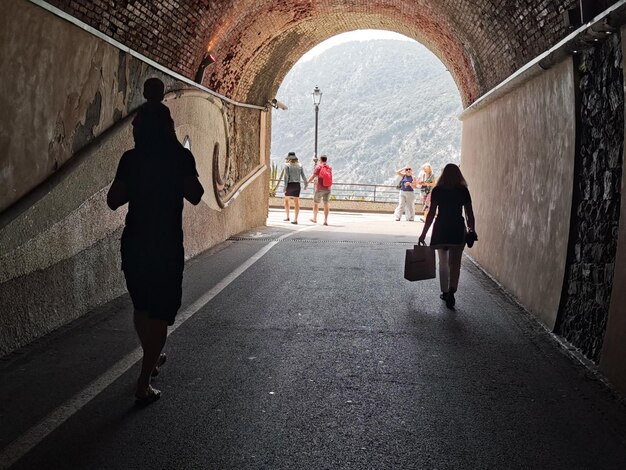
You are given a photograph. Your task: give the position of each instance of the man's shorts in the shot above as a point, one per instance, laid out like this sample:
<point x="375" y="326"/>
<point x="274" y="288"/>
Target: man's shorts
<point x="321" y="195"/>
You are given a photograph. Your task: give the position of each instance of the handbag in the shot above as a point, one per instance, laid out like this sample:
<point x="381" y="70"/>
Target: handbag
<point x="470" y="238"/>
<point x="419" y="263"/>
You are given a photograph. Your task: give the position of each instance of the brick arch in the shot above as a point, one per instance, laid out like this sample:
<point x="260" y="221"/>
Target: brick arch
<point x="256" y="77"/>
<point x="481" y="41"/>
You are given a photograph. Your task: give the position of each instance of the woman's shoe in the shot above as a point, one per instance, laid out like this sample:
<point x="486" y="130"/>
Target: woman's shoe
<point x="450" y="301"/>
<point x="295" y="222"/>
<point x="443" y="295"/>
<point x="286" y="220"/>
<point x="151" y="395"/>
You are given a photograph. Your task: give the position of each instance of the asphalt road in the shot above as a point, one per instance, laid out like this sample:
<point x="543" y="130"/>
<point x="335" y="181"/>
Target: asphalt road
<point x="318" y="356"/>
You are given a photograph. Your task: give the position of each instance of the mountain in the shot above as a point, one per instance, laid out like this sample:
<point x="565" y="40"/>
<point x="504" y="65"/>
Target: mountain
<point x="385" y="104"/>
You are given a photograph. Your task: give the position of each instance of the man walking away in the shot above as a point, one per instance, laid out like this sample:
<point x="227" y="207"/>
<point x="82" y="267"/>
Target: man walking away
<point x="324" y="174"/>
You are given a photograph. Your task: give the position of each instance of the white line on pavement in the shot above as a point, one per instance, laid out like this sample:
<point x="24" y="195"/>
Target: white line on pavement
<point x="27" y="441"/>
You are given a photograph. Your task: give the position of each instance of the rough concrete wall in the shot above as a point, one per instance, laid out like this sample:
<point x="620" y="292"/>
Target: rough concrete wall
<point x="517" y="155"/>
<point x="613" y="353"/>
<point x="60" y="244"/>
<point x="59" y="89"/>
<point x="60" y="257"/>
<point x="596" y="202"/>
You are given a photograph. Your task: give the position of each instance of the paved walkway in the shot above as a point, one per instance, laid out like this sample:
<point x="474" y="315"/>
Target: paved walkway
<point x="302" y="347"/>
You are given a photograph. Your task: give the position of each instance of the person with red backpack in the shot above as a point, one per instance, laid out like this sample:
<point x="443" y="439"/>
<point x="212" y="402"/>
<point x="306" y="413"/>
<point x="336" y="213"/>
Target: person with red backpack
<point x="324" y="174"/>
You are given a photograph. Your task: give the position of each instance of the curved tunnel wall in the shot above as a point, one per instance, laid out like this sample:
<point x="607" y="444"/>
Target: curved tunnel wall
<point x="59" y="254"/>
<point x="517" y="155"/>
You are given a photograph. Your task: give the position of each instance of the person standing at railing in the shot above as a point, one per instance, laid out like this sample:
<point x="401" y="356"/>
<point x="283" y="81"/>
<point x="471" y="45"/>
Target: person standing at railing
<point x="427" y="181"/>
<point x="324" y="174"/>
<point x="293" y="174"/>
<point x="406" y="198"/>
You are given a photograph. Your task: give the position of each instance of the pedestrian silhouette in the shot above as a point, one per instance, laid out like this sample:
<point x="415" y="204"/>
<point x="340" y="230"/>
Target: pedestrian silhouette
<point x="449" y="198"/>
<point x="153" y="178"/>
<point x="294" y="173"/>
<point x="322" y="174"/>
<point x="406" y="197"/>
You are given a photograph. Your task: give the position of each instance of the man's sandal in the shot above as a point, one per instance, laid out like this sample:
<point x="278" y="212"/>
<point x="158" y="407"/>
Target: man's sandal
<point x="160" y="362"/>
<point x="151" y="395"/>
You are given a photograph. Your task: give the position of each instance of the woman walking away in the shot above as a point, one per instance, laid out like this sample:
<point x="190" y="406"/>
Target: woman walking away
<point x="153" y="179"/>
<point x="426" y="180"/>
<point x="293" y="174"/>
<point x="406" y="198"/>
<point x="448" y="199"/>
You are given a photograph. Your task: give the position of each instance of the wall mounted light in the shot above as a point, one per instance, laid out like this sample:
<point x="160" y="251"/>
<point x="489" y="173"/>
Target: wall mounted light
<point x="278" y="104"/>
<point x="207" y="60"/>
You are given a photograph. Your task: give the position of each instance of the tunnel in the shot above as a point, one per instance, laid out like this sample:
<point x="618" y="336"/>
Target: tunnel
<point x="541" y="82"/>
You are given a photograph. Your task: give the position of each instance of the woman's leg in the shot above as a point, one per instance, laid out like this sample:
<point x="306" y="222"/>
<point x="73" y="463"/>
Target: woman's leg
<point x="398" y="212"/>
<point x="410" y="205"/>
<point x="286" y="201"/>
<point x="155" y="336"/>
<point x="454" y="262"/>
<point x="443" y="270"/>
<point x="296" y="208"/>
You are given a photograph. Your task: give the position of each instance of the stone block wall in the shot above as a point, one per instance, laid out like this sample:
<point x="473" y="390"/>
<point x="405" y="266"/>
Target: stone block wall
<point x="597" y="192"/>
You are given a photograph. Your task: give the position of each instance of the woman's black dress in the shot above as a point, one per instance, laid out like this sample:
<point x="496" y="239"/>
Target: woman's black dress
<point x="449" y="226"/>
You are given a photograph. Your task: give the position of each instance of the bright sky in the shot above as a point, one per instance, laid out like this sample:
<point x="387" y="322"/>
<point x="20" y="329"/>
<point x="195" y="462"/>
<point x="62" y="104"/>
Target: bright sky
<point x="358" y="35"/>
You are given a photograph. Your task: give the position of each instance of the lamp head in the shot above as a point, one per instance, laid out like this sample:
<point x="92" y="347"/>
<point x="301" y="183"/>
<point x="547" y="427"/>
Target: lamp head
<point x="317" y="96"/>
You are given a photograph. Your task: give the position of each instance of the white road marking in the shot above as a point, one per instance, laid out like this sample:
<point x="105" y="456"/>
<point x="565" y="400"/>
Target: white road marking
<point x="27" y="441"/>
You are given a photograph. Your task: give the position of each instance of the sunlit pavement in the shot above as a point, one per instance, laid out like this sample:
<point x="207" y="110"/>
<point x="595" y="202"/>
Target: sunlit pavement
<point x="304" y="348"/>
<point x="358" y="225"/>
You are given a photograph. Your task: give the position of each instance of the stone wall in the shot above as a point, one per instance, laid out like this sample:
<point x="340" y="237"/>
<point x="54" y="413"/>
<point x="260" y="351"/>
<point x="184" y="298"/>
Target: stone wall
<point x="596" y="204"/>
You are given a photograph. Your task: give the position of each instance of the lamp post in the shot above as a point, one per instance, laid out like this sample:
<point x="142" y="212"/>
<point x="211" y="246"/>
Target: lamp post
<point x="317" y="98"/>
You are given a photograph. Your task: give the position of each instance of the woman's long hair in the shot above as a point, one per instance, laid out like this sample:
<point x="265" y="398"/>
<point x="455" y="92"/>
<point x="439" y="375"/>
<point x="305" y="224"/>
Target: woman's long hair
<point x="451" y="177"/>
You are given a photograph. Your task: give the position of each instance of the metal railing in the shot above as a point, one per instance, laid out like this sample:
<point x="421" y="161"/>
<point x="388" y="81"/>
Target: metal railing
<point x="346" y="191"/>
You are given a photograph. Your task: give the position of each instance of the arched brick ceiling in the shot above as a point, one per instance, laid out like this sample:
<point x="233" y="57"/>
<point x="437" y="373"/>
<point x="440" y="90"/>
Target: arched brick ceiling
<point x="256" y="42"/>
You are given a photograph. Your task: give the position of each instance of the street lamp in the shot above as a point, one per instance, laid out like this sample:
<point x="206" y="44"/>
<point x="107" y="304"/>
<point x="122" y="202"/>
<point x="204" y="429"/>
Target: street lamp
<point x="317" y="98"/>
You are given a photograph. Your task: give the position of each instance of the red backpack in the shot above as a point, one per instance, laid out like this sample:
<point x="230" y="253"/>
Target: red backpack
<point x="326" y="174"/>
